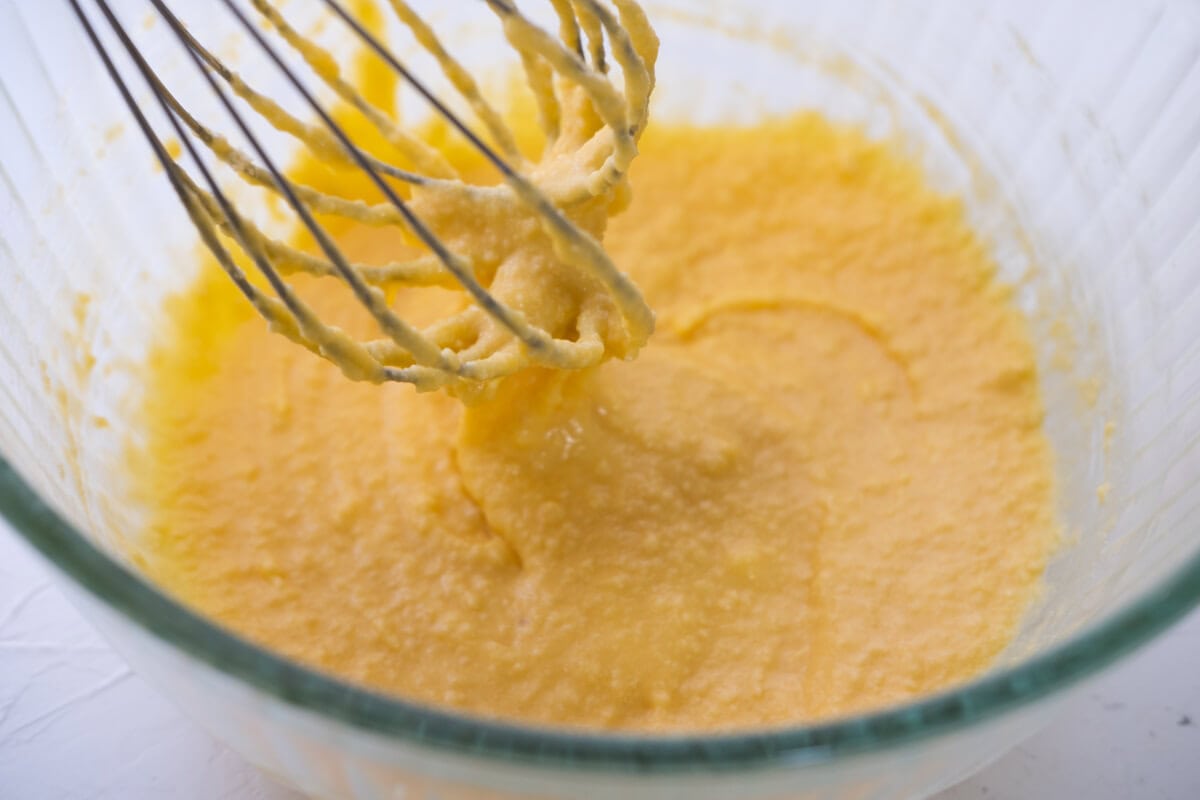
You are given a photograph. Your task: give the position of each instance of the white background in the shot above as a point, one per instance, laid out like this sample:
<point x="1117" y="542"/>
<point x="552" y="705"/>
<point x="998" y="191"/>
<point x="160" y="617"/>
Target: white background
<point x="76" y="723"/>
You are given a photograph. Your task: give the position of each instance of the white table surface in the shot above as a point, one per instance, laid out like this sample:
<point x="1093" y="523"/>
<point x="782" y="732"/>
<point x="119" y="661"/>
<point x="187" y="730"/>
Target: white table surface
<point x="76" y="723"/>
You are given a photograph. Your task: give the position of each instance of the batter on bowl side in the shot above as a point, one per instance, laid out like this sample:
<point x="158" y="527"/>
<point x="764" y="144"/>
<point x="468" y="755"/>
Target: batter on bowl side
<point x="822" y="487"/>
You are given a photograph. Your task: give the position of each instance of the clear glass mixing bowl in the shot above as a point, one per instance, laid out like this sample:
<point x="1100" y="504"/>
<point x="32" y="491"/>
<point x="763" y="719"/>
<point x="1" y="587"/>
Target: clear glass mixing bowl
<point x="1070" y="129"/>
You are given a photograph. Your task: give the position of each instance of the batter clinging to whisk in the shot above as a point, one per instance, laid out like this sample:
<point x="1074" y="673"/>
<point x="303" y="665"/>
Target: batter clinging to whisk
<point x="556" y="299"/>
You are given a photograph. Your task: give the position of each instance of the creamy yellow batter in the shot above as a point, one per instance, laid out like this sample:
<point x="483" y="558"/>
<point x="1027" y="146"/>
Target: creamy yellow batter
<point x="822" y="487"/>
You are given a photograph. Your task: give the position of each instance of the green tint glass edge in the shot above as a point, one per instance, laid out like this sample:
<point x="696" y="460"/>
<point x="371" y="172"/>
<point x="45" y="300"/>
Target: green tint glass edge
<point x="134" y="597"/>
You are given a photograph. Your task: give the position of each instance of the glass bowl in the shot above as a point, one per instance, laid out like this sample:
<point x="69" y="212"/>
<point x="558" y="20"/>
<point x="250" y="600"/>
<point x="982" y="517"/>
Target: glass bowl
<point x="1070" y="130"/>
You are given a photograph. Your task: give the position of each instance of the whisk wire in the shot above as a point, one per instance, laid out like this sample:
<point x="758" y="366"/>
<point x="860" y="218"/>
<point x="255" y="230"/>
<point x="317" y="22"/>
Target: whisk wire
<point x="420" y="357"/>
<point x="424" y="351"/>
<point x="325" y="67"/>
<point x="535" y="340"/>
<point x="458" y="76"/>
<point x="419" y="86"/>
<point x="299" y="315"/>
<point x="313" y="136"/>
<point x="629" y="298"/>
<point x="174" y="174"/>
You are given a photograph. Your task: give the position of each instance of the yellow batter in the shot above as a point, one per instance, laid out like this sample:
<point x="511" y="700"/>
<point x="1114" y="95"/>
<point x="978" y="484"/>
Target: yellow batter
<point x="822" y="487"/>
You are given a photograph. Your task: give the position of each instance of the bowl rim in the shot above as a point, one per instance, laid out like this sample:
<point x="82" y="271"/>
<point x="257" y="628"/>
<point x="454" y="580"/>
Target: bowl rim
<point x="133" y="597"/>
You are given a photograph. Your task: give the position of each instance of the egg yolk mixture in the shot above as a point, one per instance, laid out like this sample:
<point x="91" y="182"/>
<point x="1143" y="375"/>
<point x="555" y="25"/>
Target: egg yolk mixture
<point x="822" y="487"/>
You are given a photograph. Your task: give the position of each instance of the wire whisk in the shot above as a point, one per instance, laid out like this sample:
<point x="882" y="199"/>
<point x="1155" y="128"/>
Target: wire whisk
<point x="572" y="75"/>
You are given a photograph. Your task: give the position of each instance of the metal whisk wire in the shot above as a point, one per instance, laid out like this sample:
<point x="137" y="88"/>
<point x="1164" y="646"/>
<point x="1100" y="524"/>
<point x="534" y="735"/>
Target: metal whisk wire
<point x="408" y="354"/>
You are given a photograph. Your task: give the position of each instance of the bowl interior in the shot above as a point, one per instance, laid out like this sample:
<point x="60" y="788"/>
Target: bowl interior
<point x="1073" y="159"/>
